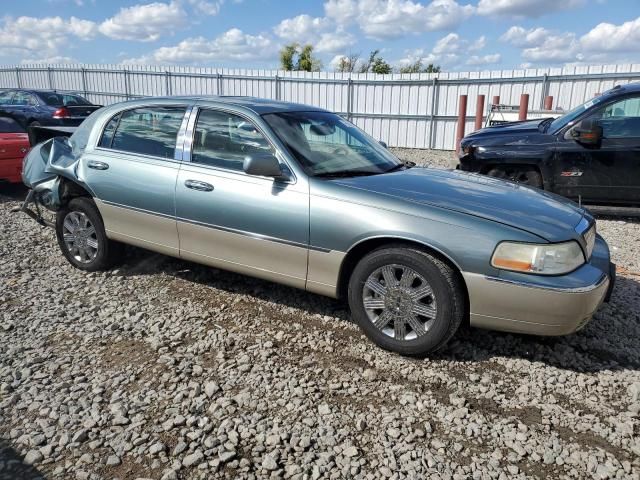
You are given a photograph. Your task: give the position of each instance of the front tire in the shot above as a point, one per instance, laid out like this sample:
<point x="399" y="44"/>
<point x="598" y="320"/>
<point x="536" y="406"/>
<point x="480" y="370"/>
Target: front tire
<point x="82" y="238"/>
<point x="406" y="300"/>
<point x="519" y="174"/>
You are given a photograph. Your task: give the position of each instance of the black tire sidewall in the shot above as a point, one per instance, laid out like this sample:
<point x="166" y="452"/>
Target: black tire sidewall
<point x="439" y="332"/>
<point x="88" y="207"/>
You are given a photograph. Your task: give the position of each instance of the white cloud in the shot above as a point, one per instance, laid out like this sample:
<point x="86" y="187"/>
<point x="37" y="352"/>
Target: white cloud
<point x="521" y="37"/>
<point x="524" y="8"/>
<point x="451" y="51"/>
<point x="206" y="7"/>
<point x="144" y="23"/>
<point x="41" y="37"/>
<point x="233" y="45"/>
<point x="607" y="37"/>
<point x="57" y="59"/>
<point x="382" y="19"/>
<point x="318" y="31"/>
<point x="490" y="59"/>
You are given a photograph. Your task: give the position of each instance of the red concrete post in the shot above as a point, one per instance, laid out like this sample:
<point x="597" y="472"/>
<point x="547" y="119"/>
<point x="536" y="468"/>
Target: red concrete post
<point x="548" y="102"/>
<point x="524" y="106"/>
<point x="496" y="100"/>
<point x="479" y="111"/>
<point x="597" y="94"/>
<point x="462" y="119"/>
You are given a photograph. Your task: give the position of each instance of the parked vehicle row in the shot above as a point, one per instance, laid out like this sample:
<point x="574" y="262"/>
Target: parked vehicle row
<point x="298" y="195"/>
<point x="14" y="144"/>
<point x="44" y="107"/>
<point x="591" y="154"/>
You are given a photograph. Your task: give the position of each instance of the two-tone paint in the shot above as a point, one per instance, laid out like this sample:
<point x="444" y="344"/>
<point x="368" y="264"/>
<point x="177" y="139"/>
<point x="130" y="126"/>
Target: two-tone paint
<point x="309" y="232"/>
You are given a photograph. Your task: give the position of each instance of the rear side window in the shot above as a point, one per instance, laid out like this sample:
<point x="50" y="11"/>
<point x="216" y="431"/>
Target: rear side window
<point x="223" y="140"/>
<point x="148" y="131"/>
<point x="9" y="125"/>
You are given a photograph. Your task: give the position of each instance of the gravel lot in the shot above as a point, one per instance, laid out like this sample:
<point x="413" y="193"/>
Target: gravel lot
<point x="164" y="369"/>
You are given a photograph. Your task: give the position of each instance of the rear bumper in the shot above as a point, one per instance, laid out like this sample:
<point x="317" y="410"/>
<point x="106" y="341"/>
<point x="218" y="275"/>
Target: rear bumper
<point x="546" y="308"/>
<point x="11" y="170"/>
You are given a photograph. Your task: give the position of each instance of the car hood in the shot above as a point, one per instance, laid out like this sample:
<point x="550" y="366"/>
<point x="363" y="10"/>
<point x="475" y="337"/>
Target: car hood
<point x="544" y="214"/>
<point x="510" y="128"/>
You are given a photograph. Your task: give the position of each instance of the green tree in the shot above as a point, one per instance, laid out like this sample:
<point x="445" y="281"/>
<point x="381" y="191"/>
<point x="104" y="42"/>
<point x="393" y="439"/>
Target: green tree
<point x="287" y="54"/>
<point x="418" y="67"/>
<point x="375" y="64"/>
<point x="300" y="58"/>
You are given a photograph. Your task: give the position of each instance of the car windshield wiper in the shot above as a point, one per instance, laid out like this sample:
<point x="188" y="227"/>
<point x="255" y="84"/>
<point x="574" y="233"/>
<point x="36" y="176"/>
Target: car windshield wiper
<point x="345" y="173"/>
<point x="400" y="166"/>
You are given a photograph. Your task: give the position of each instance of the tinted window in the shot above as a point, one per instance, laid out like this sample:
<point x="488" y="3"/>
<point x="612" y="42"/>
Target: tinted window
<point x="5" y="97"/>
<point x="60" y="99"/>
<point x="9" y="125"/>
<point x="149" y="130"/>
<point x="23" y="98"/>
<point x="620" y="119"/>
<point x="109" y="130"/>
<point x="223" y="140"/>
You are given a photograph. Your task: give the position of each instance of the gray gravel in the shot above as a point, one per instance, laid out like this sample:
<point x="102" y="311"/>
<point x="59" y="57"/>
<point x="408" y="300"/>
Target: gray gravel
<point x="164" y="369"/>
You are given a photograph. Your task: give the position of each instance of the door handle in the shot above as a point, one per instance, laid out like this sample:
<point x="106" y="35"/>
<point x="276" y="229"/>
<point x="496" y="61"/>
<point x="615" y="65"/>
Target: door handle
<point x="96" y="165"/>
<point x="198" y="185"/>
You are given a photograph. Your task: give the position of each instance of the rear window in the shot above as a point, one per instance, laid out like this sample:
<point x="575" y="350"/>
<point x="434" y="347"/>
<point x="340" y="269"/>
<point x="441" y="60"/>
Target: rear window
<point x="63" y="99"/>
<point x="5" y="97"/>
<point x="9" y="125"/>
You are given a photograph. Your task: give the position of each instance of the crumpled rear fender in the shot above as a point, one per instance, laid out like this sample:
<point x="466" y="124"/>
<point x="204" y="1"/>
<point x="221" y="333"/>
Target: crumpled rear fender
<point x="46" y="165"/>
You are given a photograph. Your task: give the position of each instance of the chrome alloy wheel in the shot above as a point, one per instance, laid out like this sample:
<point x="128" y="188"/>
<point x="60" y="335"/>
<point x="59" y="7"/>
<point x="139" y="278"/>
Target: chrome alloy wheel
<point x="399" y="302"/>
<point x="80" y="237"/>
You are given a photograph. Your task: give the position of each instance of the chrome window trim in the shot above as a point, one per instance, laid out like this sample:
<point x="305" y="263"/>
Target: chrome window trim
<point x="518" y="283"/>
<point x="96" y="144"/>
<point x="187" y="152"/>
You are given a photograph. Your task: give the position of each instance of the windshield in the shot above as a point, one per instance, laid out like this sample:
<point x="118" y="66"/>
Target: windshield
<point x="325" y="144"/>
<point x="63" y="100"/>
<point x="567" y="118"/>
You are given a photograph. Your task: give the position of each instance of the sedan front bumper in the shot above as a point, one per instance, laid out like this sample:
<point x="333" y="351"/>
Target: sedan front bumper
<point x="552" y="306"/>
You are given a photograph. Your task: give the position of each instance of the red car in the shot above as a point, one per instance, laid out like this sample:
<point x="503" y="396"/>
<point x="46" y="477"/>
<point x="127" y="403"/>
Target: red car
<point x="14" y="145"/>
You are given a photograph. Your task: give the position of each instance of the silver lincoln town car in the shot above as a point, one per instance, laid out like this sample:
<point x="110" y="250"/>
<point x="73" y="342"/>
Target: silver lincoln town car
<point x="298" y="195"/>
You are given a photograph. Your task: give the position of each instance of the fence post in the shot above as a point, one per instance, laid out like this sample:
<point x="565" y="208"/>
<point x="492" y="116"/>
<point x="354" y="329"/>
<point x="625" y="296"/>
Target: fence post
<point x="18" y="79"/>
<point x="479" y="111"/>
<point x="545" y="90"/>
<point x="83" y="74"/>
<point x="167" y="80"/>
<point x="50" y="75"/>
<point x="435" y="97"/>
<point x="219" y="82"/>
<point x="127" y="91"/>
<point x="548" y="102"/>
<point x="462" y="119"/>
<point x="277" y="80"/>
<point x="496" y="100"/>
<point x="349" y="98"/>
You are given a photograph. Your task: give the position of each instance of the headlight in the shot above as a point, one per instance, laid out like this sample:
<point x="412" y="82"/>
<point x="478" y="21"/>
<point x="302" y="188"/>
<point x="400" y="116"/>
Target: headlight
<point x="546" y="259"/>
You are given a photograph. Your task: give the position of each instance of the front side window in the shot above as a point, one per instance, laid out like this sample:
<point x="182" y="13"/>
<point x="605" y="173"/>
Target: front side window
<point x="147" y="130"/>
<point x="620" y="119"/>
<point x="325" y="144"/>
<point x="5" y="97"/>
<point x="222" y="139"/>
<point x="23" y="99"/>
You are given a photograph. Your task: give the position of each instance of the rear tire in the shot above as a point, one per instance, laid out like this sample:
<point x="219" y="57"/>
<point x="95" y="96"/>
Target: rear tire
<point x="419" y="312"/>
<point x="82" y="238"/>
<point x="519" y="174"/>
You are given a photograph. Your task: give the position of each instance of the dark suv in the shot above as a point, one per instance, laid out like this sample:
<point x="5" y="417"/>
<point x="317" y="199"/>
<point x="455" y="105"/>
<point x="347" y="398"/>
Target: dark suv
<point x="44" y="107"/>
<point x="591" y="154"/>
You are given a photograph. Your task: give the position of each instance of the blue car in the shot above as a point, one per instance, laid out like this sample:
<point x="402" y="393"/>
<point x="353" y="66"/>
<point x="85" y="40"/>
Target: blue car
<point x="298" y="195"/>
<point x="33" y="108"/>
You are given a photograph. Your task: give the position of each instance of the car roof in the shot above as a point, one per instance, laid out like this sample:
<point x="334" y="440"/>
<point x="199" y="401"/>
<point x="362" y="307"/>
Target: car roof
<point x="257" y="105"/>
<point x="623" y="89"/>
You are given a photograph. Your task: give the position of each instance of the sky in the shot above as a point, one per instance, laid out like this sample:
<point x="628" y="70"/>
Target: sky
<point x="458" y="35"/>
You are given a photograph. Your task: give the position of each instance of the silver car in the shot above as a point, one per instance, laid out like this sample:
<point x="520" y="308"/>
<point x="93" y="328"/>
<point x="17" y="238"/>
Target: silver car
<point x="298" y="195"/>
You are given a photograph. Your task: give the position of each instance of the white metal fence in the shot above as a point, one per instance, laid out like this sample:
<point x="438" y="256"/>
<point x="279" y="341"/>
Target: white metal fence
<point x="404" y="110"/>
